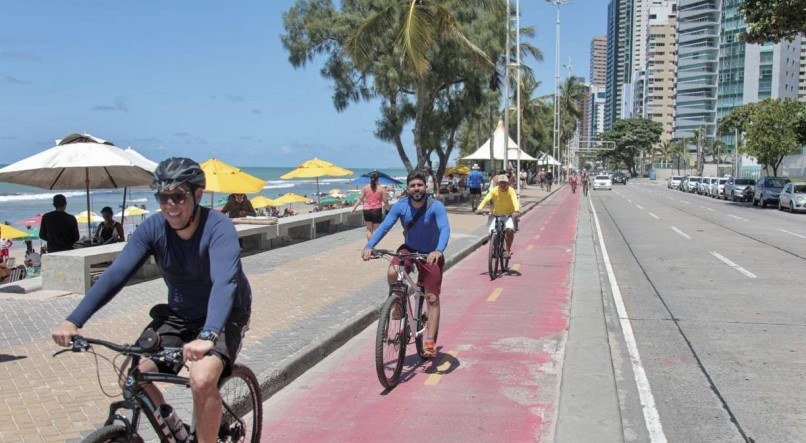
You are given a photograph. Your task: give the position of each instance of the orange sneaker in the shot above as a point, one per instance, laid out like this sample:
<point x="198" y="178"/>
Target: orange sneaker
<point x="429" y="349"/>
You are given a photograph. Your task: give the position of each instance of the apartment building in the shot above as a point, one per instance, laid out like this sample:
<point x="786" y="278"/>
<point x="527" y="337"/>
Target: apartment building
<point x="619" y="47"/>
<point x="659" y="77"/>
<point x="598" y="61"/>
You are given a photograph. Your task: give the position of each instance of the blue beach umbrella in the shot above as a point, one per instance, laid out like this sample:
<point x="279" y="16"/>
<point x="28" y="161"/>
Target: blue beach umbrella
<point x="383" y="180"/>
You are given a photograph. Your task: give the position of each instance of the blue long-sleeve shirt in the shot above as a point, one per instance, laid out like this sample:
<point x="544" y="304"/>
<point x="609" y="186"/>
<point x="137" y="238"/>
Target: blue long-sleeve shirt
<point x="204" y="275"/>
<point x="429" y="233"/>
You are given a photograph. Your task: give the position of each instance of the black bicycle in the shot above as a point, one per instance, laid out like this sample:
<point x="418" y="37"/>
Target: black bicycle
<point x="403" y="317"/>
<point x="496" y="259"/>
<point x="242" y="405"/>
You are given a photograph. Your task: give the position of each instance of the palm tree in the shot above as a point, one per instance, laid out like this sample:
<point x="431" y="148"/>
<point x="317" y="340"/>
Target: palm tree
<point x="678" y="151"/>
<point x="663" y="151"/>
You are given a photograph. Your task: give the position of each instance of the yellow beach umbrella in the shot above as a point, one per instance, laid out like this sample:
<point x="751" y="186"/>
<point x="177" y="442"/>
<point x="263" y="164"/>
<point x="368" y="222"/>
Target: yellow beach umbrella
<point x="82" y="217"/>
<point x="131" y="211"/>
<point x="11" y="232"/>
<point x="261" y="201"/>
<point x="316" y="168"/>
<point x="458" y="170"/>
<point x="290" y="197"/>
<point x="222" y="177"/>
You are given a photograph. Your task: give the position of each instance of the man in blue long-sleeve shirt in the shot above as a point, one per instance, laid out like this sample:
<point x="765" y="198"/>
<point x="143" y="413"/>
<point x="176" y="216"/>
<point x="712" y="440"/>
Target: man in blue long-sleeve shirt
<point x="426" y="231"/>
<point x="209" y="298"/>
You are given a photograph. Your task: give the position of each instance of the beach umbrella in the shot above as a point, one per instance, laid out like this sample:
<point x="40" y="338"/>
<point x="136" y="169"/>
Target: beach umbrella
<point x="457" y="170"/>
<point x="132" y="211"/>
<point x="81" y="161"/>
<point x="383" y="179"/>
<point x="31" y="221"/>
<point x="88" y="217"/>
<point x="218" y="203"/>
<point x="261" y="201"/>
<point x="225" y="178"/>
<point x="351" y="198"/>
<point x="329" y="201"/>
<point x="334" y="191"/>
<point x="316" y="168"/>
<point x="290" y="197"/>
<point x="11" y="232"/>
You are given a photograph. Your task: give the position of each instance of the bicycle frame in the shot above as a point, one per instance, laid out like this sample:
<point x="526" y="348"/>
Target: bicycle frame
<point x="402" y="285"/>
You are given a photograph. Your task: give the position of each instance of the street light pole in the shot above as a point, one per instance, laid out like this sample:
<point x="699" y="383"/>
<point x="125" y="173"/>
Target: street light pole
<point x="518" y="90"/>
<point x="556" y="138"/>
<point x="506" y="88"/>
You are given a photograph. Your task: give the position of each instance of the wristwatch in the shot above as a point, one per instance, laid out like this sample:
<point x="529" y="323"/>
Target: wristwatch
<point x="208" y="335"/>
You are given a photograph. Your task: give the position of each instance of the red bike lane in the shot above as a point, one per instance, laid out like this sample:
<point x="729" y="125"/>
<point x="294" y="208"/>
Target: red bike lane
<point x="496" y="376"/>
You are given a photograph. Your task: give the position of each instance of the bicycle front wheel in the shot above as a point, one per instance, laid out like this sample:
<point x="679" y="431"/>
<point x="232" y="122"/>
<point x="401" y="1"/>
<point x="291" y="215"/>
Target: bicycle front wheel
<point x="422" y="322"/>
<point x="390" y="342"/>
<point x="111" y="434"/>
<point x="492" y="259"/>
<point x="242" y="406"/>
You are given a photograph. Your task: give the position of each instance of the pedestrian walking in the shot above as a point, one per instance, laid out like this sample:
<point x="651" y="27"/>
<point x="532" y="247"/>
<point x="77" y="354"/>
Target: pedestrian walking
<point x="475" y="181"/>
<point x="549" y="180"/>
<point x="375" y="201"/>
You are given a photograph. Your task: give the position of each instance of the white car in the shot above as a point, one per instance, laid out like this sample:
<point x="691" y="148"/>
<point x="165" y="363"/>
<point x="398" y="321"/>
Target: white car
<point x="704" y="185"/>
<point x="674" y="182"/>
<point x="603" y="182"/>
<point x="690" y="185"/>
<point x="717" y="187"/>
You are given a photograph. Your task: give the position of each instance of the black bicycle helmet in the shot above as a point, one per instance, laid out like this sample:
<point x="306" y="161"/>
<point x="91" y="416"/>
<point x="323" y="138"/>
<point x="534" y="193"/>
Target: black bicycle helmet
<point x="174" y="171"/>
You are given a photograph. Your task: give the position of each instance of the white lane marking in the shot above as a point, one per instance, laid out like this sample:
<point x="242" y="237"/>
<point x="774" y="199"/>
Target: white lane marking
<point x="688" y="203"/>
<point x="792" y="233"/>
<point x="683" y="234"/>
<point x="629" y="200"/>
<point x="651" y="417"/>
<point x="656" y="217"/>
<point x="671" y="198"/>
<point x="744" y="271"/>
<point x="704" y="207"/>
<point x="736" y="217"/>
<point x="638" y="206"/>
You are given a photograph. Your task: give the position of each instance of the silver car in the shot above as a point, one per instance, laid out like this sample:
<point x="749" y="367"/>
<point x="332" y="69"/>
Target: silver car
<point x="691" y="184"/>
<point x="704" y="186"/>
<point x="793" y="197"/>
<point x="735" y="186"/>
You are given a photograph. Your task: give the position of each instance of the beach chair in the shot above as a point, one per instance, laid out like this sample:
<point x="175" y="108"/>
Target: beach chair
<point x="17" y="273"/>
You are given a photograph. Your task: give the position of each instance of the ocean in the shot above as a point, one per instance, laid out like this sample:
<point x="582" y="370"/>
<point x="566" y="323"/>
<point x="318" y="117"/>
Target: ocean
<point x="21" y="202"/>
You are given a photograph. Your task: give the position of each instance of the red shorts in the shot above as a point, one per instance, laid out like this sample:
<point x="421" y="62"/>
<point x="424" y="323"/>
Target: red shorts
<point x="428" y="276"/>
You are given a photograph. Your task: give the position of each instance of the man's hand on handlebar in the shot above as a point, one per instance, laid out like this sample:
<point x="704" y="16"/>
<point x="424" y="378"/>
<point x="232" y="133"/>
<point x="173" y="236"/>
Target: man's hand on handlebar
<point x="196" y="350"/>
<point x="366" y="254"/>
<point x="433" y="257"/>
<point x="64" y="333"/>
<point x="516" y="214"/>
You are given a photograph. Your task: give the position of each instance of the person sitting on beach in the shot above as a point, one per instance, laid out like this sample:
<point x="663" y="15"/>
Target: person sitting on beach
<point x="375" y="202"/>
<point x="58" y="228"/>
<point x="238" y="206"/>
<point x="5" y="273"/>
<point x="426" y="231"/>
<point x="109" y="231"/>
<point x="209" y="297"/>
<point x="5" y="247"/>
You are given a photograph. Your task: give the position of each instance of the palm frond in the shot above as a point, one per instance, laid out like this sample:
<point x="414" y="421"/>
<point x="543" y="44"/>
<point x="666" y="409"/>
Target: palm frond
<point x="447" y="25"/>
<point x="415" y="38"/>
<point x="362" y="42"/>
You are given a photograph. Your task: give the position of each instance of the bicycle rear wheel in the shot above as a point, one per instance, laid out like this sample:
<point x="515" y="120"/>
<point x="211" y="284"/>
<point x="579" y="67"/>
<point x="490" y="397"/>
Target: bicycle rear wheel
<point x="390" y="342"/>
<point x="492" y="259"/>
<point x="242" y="411"/>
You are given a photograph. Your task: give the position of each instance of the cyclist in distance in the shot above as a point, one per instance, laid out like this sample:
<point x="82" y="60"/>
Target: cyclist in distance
<point x="425" y="231"/>
<point x="573" y="181"/>
<point x="505" y="202"/>
<point x="585" y="179"/>
<point x="209" y="298"/>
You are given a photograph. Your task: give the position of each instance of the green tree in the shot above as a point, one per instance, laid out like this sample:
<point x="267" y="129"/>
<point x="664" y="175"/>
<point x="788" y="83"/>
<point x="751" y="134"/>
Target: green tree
<point x="663" y="151"/>
<point x="773" y="20"/>
<point x="412" y="55"/>
<point x="679" y="153"/>
<point x="631" y="137"/>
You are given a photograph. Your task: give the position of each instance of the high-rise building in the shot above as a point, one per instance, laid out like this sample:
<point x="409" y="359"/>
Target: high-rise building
<point x="584" y="105"/>
<point x="596" y="104"/>
<point x="598" y="61"/>
<point x="802" y="82"/>
<point x="658" y="80"/>
<point x="697" y="59"/>
<point x="619" y="40"/>
<point x="749" y="72"/>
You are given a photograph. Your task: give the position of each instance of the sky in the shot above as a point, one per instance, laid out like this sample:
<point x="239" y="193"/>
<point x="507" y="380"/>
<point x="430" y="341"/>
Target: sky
<point x="204" y="79"/>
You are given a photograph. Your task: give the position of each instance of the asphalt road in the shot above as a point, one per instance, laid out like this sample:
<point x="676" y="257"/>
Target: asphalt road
<point x="714" y="292"/>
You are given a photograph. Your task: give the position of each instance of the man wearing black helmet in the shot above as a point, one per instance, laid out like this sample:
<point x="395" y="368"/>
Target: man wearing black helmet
<point x="426" y="231"/>
<point x="209" y="298"/>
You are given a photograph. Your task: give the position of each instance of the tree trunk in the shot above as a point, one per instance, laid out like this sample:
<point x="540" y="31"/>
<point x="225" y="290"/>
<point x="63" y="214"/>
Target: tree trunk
<point x="418" y="125"/>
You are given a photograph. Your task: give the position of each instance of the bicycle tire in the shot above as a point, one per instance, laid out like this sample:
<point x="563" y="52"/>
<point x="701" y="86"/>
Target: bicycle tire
<point x="492" y="260"/>
<point x="422" y="321"/>
<point x="503" y="262"/>
<point x="396" y="346"/>
<point x="241" y="391"/>
<point x="111" y="434"/>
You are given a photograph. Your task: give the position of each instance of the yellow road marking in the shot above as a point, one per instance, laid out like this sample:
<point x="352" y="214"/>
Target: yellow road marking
<point x="494" y="296"/>
<point x="443" y="367"/>
<point x="537" y="237"/>
<point x="529" y="248"/>
<point x="515" y="267"/>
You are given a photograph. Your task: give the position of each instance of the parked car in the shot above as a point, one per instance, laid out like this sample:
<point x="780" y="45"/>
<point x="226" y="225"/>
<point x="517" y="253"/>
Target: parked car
<point x="793" y="197"/>
<point x="602" y="182"/>
<point x="704" y="185"/>
<point x="768" y="190"/>
<point x="717" y="187"/>
<point x="620" y="177"/>
<point x="674" y="182"/>
<point x="734" y="187"/>
<point x="691" y="184"/>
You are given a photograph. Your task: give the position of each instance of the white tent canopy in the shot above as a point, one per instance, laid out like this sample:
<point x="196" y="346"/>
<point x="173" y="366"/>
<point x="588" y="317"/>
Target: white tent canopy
<point x="483" y="153"/>
<point x="546" y="159"/>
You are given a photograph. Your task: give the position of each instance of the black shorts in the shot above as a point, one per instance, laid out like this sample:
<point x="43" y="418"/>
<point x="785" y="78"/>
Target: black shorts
<point x="373" y="215"/>
<point x="176" y="331"/>
<point x="475" y="191"/>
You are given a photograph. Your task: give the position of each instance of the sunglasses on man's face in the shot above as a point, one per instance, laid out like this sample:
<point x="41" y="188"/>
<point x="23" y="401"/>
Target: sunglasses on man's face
<point x="177" y="199"/>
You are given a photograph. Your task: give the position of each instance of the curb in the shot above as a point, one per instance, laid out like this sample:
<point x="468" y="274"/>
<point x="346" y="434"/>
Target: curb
<point x="273" y="380"/>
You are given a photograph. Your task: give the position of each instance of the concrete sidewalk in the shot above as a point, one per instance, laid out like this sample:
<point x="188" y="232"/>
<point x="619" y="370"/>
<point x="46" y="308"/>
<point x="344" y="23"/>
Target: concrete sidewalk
<point x="308" y="299"/>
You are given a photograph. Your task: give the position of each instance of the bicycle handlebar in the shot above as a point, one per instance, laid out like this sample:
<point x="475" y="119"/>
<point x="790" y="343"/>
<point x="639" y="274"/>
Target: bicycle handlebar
<point x="149" y="345"/>
<point x="378" y="253"/>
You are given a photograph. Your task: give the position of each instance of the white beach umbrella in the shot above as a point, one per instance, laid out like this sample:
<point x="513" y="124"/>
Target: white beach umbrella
<point x="81" y="161"/>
